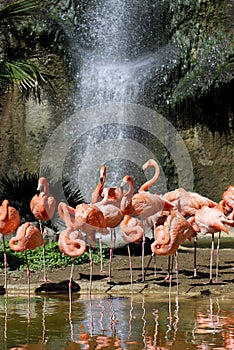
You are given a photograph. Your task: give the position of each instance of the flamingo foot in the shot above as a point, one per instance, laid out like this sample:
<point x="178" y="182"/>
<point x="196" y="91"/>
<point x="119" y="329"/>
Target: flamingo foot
<point x="45" y="279"/>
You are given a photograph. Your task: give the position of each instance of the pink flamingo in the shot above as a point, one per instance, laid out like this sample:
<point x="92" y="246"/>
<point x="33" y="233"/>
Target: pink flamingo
<point x="187" y="202"/>
<point x="114" y="197"/>
<point x="42" y="206"/>
<point x="86" y="218"/>
<point x="210" y="220"/>
<point x="168" y="237"/>
<point x="113" y="216"/>
<point x="227" y="202"/>
<point x="27" y="237"/>
<point x="144" y="204"/>
<point x="72" y="244"/>
<point x="132" y="230"/>
<point x="9" y="222"/>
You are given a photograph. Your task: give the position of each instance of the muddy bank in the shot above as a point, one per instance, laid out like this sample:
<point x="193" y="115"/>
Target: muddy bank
<point x="155" y="281"/>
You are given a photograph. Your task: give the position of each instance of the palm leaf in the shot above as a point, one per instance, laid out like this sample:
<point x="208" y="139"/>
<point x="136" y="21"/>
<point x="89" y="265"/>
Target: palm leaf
<point x="18" y="10"/>
<point x="25" y="74"/>
<point x="19" y="189"/>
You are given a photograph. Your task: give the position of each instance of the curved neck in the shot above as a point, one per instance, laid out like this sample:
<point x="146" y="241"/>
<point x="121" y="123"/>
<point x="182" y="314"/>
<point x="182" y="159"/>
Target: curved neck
<point x="151" y="182"/>
<point x="126" y="200"/>
<point x="105" y="194"/>
<point x="43" y="186"/>
<point x="66" y="212"/>
<point x="97" y="194"/>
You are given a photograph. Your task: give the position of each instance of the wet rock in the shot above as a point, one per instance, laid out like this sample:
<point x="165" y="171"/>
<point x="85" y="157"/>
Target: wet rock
<point x="57" y="288"/>
<point x="2" y="290"/>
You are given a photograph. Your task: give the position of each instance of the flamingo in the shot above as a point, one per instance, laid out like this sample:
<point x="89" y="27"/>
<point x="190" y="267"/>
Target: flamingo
<point x="168" y="237"/>
<point x="227" y="202"/>
<point x="42" y="206"/>
<point x="144" y="204"/>
<point x="187" y="202"/>
<point x="86" y="218"/>
<point x="27" y="237"/>
<point x="113" y="217"/>
<point x="114" y="197"/>
<point x="9" y="222"/>
<point x="132" y="230"/>
<point x="72" y="244"/>
<point x="209" y="221"/>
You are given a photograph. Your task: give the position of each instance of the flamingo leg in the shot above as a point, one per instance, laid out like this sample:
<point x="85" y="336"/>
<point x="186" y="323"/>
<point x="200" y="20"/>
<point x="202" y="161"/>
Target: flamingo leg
<point x="111" y="251"/>
<point x="70" y="288"/>
<point x="5" y="262"/>
<point x="177" y="273"/>
<point x="130" y="265"/>
<point x="45" y="279"/>
<point x="148" y="264"/>
<point x="155" y="266"/>
<point x="217" y="258"/>
<point x="143" y="257"/>
<point x="195" y="258"/>
<point x="28" y="277"/>
<point x="101" y="257"/>
<point x="168" y="268"/>
<point x="211" y="258"/>
<point x="91" y="270"/>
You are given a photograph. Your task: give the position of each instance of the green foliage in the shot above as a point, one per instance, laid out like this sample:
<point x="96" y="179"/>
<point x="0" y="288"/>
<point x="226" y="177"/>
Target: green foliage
<point x="54" y="258"/>
<point x="15" y="64"/>
<point x="28" y="31"/>
<point x="17" y="11"/>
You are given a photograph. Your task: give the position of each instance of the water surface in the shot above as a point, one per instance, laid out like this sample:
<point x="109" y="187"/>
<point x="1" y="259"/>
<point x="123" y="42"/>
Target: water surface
<point x="140" y="322"/>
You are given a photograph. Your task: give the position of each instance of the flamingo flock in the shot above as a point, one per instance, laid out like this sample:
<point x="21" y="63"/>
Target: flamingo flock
<point x="173" y="218"/>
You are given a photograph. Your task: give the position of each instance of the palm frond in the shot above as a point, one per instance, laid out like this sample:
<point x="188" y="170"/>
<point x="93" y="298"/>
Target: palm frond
<point x="19" y="189"/>
<point x="18" y="10"/>
<point x="73" y="196"/>
<point x="24" y="73"/>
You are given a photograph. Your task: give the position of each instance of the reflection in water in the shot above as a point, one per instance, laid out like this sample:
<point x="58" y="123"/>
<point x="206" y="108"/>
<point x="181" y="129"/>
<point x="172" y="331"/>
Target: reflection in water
<point x="137" y="322"/>
<point x="215" y="323"/>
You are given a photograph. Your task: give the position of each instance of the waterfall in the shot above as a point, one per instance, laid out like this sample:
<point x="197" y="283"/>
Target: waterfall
<point x="122" y="45"/>
<point x="122" y="49"/>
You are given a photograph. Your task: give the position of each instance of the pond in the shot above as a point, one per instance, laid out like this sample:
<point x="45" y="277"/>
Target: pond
<point x="109" y="322"/>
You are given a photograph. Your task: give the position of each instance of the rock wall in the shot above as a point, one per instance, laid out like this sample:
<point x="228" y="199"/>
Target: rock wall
<point x="212" y="157"/>
<point x="27" y="125"/>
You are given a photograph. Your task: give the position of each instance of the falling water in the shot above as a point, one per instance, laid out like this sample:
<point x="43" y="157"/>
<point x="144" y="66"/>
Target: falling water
<point x="123" y="47"/>
<point x="122" y="54"/>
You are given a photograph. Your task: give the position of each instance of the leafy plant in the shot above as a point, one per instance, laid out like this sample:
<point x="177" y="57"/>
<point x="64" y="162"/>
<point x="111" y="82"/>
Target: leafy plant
<point x="54" y="258"/>
<point x="16" y="66"/>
